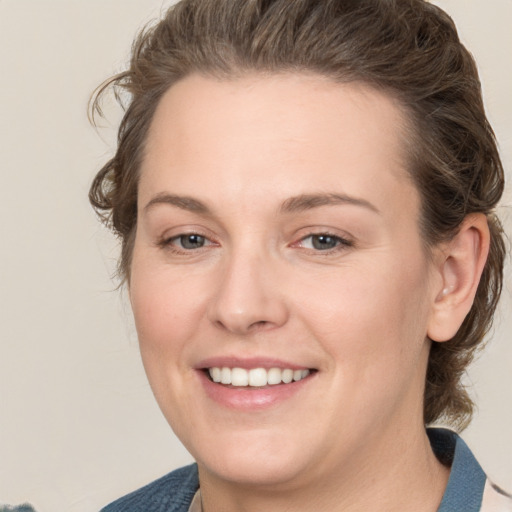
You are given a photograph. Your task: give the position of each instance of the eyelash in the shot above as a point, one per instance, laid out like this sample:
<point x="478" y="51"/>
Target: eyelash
<point x="168" y="243"/>
<point x="341" y="243"/>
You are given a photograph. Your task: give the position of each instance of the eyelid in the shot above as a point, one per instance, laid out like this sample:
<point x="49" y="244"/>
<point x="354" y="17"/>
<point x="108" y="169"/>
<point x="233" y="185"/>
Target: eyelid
<point x="179" y="238"/>
<point x="166" y="240"/>
<point x="343" y="242"/>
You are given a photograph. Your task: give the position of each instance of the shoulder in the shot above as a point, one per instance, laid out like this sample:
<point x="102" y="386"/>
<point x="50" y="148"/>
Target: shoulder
<point x="171" y="493"/>
<point x="468" y="488"/>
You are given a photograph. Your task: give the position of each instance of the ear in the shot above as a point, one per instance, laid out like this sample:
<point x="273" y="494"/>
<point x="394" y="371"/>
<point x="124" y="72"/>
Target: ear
<point x="460" y="263"/>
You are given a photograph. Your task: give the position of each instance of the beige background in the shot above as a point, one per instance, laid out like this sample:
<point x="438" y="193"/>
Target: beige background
<point x="78" y="424"/>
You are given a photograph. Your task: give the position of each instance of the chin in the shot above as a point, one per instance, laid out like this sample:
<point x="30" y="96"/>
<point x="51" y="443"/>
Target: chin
<point x="264" y="460"/>
<point x="262" y="473"/>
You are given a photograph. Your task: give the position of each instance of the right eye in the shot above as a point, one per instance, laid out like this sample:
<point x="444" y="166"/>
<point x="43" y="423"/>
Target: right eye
<point x="189" y="241"/>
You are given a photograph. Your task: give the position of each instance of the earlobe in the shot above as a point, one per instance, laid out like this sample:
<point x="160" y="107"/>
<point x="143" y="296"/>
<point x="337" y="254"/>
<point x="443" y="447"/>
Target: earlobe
<point x="460" y="266"/>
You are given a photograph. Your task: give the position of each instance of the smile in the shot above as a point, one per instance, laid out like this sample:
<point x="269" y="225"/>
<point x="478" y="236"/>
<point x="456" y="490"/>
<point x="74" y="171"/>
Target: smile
<point x="256" y="377"/>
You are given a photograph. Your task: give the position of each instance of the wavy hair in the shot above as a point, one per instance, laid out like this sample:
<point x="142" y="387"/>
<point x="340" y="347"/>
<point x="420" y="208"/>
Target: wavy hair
<point x="410" y="49"/>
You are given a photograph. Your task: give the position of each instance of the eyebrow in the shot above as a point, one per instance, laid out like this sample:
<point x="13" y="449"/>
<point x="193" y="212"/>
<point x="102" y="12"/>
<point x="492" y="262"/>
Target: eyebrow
<point x="182" y="202"/>
<point x="292" y="205"/>
<point x="308" y="201"/>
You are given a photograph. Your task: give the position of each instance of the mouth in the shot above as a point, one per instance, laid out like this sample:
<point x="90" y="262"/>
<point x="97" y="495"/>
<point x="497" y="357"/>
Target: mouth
<point x="253" y="384"/>
<point x="255" y="377"/>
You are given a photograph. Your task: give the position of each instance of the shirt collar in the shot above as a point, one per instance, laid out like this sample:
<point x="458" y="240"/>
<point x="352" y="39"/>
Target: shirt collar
<point x="467" y="479"/>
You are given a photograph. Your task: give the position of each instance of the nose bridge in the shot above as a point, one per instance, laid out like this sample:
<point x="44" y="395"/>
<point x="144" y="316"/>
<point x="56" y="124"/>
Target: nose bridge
<point x="248" y="295"/>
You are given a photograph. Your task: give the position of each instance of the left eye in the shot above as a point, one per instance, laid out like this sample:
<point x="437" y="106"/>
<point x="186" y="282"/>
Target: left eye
<point x="190" y="241"/>
<point x="323" y="242"/>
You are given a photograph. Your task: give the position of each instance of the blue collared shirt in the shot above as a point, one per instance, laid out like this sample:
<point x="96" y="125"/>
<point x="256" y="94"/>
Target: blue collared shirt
<point x="468" y="488"/>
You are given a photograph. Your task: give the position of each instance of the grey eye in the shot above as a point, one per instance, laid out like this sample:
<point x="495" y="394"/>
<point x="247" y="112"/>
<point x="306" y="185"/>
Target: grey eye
<point x="192" y="241"/>
<point x="324" y="242"/>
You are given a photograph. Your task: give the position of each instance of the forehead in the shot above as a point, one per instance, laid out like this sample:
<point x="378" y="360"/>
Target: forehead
<point x="283" y="132"/>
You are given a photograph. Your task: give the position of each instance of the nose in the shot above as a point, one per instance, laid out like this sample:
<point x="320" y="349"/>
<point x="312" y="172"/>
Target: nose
<point x="249" y="296"/>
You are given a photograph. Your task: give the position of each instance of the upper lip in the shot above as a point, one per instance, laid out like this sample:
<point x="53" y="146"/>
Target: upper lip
<point x="248" y="363"/>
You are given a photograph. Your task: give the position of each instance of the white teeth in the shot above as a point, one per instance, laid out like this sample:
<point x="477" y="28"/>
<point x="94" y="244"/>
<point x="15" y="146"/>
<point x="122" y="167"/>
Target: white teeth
<point x="216" y="374"/>
<point x="225" y="376"/>
<point x="274" y="376"/>
<point x="256" y="377"/>
<point x="287" y="376"/>
<point x="239" y="377"/>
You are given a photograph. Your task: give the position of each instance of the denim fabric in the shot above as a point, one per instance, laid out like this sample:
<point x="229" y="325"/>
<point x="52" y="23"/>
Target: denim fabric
<point x="171" y="493"/>
<point x="467" y="480"/>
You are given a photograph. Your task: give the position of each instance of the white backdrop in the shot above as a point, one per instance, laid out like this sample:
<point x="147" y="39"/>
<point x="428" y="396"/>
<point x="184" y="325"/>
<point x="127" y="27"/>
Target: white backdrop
<point x="78" y="424"/>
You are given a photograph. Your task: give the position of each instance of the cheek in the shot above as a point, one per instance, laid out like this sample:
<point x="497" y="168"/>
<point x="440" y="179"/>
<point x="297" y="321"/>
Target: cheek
<point x="166" y="308"/>
<point x="374" y="332"/>
<point x="370" y="317"/>
<point x="166" y="316"/>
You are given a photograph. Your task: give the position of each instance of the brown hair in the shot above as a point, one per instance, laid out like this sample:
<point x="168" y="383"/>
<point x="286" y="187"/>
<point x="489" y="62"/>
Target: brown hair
<point x="408" y="48"/>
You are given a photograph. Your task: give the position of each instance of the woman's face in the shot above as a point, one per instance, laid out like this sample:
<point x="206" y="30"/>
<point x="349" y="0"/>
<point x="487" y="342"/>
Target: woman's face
<point x="278" y="234"/>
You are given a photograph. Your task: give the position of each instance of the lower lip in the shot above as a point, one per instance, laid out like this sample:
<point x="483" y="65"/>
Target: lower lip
<point x="250" y="398"/>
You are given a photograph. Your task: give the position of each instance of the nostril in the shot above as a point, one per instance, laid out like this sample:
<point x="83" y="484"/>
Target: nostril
<point x="258" y="325"/>
<point x="254" y="326"/>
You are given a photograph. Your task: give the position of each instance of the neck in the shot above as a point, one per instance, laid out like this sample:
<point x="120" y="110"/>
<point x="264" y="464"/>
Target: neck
<point x="397" y="471"/>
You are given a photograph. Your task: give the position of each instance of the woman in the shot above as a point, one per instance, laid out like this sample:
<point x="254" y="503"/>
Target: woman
<point x="304" y="192"/>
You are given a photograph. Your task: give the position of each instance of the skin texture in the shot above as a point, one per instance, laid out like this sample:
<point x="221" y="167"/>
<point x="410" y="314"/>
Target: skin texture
<point x="352" y="436"/>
